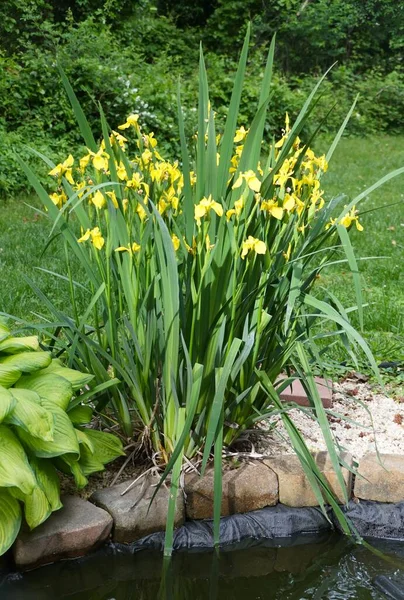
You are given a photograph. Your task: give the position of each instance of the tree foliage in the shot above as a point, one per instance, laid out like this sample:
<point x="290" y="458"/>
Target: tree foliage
<point x="128" y="55"/>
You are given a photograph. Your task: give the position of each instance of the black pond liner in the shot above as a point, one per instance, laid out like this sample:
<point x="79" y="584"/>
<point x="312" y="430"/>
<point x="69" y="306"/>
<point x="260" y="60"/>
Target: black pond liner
<point x="302" y="535"/>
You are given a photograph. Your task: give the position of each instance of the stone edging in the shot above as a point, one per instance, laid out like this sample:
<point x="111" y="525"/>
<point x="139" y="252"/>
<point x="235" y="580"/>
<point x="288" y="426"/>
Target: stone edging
<point x="81" y="526"/>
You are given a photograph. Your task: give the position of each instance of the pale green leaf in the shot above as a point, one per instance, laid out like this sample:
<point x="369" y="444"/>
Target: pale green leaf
<point x="12" y="345"/>
<point x="4" y="330"/>
<point x="30" y="415"/>
<point x="64" y="437"/>
<point x="77" y="379"/>
<point x="107" y="447"/>
<point x="80" y="415"/>
<point x="69" y="464"/>
<point x="27" y="362"/>
<point x="36" y="506"/>
<point x="15" y="470"/>
<point x="84" y="440"/>
<point x="10" y="520"/>
<point x="48" y="479"/>
<point x="7" y="403"/>
<point x="49" y="386"/>
<point x="9" y="375"/>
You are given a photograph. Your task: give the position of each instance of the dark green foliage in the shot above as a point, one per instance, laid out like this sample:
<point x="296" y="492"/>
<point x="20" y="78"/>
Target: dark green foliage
<point x="128" y="56"/>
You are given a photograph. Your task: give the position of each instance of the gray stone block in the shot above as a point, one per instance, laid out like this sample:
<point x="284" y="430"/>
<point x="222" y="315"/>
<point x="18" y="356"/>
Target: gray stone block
<point x="70" y="532"/>
<point x="134" y="517"/>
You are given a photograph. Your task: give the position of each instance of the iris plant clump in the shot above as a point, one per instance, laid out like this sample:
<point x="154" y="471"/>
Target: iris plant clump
<point x="199" y="274"/>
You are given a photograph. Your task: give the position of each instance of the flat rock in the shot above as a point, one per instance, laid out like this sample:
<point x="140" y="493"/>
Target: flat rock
<point x="132" y="513"/>
<point x="380" y="482"/>
<point x="70" y="532"/>
<point x="249" y="487"/>
<point x="294" y="487"/>
<point x="296" y="392"/>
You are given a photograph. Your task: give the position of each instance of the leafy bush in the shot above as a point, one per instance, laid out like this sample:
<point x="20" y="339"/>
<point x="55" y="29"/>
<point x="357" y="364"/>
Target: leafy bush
<point x="42" y="429"/>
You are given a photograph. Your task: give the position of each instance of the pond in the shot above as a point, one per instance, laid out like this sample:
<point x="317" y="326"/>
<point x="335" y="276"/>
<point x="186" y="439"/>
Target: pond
<point x="325" y="567"/>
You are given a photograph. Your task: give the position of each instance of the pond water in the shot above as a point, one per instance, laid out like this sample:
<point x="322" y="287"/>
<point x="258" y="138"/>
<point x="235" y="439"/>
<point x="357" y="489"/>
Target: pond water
<point x="328" y="568"/>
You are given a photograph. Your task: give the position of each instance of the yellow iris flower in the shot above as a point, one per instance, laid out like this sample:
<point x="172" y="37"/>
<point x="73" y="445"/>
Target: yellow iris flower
<point x="176" y="242"/>
<point x="205" y="206"/>
<point x="252" y="244"/>
<point x="240" y="135"/>
<point x="129" y="248"/>
<point x="238" y="207"/>
<point x="95" y="236"/>
<point x="58" y="199"/>
<point x="121" y="172"/>
<point x="350" y="218"/>
<point x="251" y="180"/>
<point x="272" y="208"/>
<point x="64" y="168"/>
<point x="132" y="120"/>
<point x="113" y="197"/>
<point x="120" y="139"/>
<point x="98" y="200"/>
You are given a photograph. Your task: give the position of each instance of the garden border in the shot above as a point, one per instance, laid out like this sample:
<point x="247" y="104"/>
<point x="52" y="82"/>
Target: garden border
<point x="278" y="503"/>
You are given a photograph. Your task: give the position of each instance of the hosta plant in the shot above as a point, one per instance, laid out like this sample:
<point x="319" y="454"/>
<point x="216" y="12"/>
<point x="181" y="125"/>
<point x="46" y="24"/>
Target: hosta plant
<point x="200" y="275"/>
<point x="43" y="429"/>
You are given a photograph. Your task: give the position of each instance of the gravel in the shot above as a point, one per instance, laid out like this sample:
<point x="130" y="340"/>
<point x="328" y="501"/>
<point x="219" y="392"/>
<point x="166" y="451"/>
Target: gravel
<point x="360" y="419"/>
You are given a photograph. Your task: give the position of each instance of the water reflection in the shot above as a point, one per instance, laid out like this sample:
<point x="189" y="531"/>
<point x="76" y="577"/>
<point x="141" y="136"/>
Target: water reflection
<point x="327" y="567"/>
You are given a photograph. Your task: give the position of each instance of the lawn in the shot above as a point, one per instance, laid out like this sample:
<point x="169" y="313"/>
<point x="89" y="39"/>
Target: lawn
<point x="356" y="164"/>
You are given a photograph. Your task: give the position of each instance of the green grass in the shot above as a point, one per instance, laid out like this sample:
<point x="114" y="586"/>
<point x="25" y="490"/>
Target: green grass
<point x="356" y="164"/>
<point x="24" y="233"/>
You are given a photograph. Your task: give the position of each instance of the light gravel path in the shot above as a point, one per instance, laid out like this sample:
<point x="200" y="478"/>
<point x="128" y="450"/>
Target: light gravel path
<point x="379" y="420"/>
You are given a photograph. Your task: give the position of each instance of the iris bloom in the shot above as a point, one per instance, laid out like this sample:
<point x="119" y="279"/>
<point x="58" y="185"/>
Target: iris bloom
<point x="95" y="236"/>
<point x="272" y="208"/>
<point x="205" y="206"/>
<point x="64" y="168"/>
<point x="240" y="135"/>
<point x="251" y="180"/>
<point x="58" y="199"/>
<point x="130" y="248"/>
<point x="98" y="200"/>
<point x="238" y="207"/>
<point x="253" y="245"/>
<point x="350" y="218"/>
<point x="132" y="120"/>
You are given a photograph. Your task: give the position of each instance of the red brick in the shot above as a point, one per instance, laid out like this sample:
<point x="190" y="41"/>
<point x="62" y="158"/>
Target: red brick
<point x="295" y="392"/>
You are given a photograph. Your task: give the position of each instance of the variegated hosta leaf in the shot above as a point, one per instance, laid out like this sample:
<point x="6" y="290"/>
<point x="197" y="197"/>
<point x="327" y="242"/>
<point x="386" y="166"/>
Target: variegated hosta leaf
<point x="69" y="464"/>
<point x="107" y="447"/>
<point x="7" y="403"/>
<point x="27" y="362"/>
<point x="15" y="470"/>
<point x="4" y="330"/>
<point x="64" y="436"/>
<point x="10" y="520"/>
<point x="9" y="375"/>
<point x="89" y="462"/>
<point x="84" y="440"/>
<point x="36" y="506"/>
<point x="30" y="415"/>
<point x="12" y="345"/>
<point x="49" y="386"/>
<point x="80" y="415"/>
<point x="48" y="479"/>
<point x="76" y="378"/>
